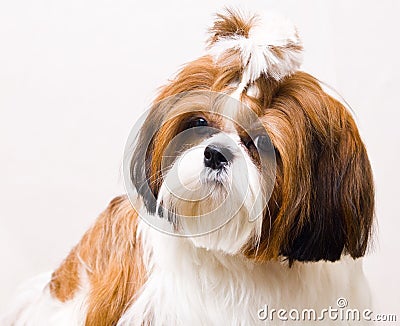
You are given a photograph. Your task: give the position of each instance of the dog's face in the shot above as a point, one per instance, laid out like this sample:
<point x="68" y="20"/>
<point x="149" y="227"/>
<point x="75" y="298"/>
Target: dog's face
<point x="209" y="168"/>
<point x="279" y="170"/>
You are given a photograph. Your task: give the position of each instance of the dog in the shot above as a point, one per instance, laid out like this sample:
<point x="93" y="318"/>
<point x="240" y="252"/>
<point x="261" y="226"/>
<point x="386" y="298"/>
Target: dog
<point x="248" y="185"/>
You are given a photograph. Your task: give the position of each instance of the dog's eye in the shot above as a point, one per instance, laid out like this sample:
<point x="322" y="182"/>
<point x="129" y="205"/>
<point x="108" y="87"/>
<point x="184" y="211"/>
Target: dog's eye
<point x="263" y="143"/>
<point x="198" y="122"/>
<point x="198" y="125"/>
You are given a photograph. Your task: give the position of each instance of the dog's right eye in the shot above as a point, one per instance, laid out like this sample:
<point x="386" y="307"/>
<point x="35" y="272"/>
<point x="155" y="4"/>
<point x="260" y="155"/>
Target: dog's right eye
<point x="198" y="122"/>
<point x="198" y="125"/>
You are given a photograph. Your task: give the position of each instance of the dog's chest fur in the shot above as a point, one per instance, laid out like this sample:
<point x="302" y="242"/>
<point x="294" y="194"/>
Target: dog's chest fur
<point x="192" y="286"/>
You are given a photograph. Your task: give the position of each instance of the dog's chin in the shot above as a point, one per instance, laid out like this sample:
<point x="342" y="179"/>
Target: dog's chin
<point x="215" y="179"/>
<point x="214" y="209"/>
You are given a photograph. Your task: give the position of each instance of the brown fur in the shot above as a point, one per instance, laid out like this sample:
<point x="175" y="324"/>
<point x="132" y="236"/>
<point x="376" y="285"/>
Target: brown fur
<point x="322" y="165"/>
<point x="65" y="280"/>
<point x="322" y="203"/>
<point x="112" y="259"/>
<point x="324" y="180"/>
<point x="231" y="23"/>
<point x="323" y="200"/>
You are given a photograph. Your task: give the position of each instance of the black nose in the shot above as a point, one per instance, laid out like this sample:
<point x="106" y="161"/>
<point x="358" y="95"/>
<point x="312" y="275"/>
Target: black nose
<point x="216" y="157"/>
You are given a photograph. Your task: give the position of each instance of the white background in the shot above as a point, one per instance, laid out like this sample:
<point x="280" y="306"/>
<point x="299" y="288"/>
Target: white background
<point x="76" y="74"/>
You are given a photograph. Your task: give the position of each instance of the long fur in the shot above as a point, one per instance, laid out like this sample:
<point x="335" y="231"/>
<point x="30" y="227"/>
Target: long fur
<point x="301" y="253"/>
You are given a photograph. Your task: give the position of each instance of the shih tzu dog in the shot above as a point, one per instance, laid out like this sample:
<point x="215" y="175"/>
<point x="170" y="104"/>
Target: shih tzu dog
<point x="248" y="185"/>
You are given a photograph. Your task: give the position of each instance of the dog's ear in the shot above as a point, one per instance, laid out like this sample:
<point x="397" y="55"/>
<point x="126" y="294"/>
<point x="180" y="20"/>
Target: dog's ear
<point x="140" y="172"/>
<point x="322" y="205"/>
<point x="145" y="179"/>
<point x="155" y="135"/>
<point x="327" y="180"/>
<point x="341" y="203"/>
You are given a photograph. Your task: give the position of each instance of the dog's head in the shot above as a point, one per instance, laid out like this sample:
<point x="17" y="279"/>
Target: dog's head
<point x="251" y="155"/>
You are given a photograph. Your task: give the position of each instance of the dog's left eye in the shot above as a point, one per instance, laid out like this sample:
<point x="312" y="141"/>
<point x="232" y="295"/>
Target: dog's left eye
<point x="263" y="143"/>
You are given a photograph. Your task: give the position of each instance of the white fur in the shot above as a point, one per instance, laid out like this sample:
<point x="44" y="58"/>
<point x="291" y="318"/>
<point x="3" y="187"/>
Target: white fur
<point x="205" y="207"/>
<point x="196" y="286"/>
<point x="257" y="53"/>
<point x="35" y="306"/>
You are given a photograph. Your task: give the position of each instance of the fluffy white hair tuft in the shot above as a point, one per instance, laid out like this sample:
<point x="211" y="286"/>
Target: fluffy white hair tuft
<point x="271" y="47"/>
